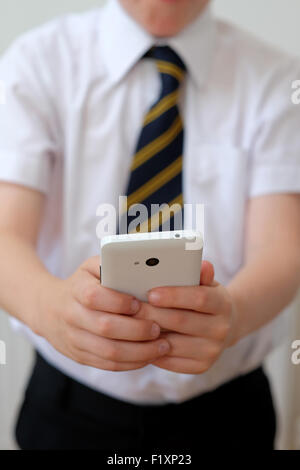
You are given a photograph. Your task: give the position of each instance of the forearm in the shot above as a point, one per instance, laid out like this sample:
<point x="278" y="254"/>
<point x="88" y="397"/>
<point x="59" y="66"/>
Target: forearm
<point x="23" y="278"/>
<point x="264" y="287"/>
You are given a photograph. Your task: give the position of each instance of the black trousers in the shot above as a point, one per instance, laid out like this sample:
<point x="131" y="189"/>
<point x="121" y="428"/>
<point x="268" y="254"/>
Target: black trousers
<point x="60" y="413"/>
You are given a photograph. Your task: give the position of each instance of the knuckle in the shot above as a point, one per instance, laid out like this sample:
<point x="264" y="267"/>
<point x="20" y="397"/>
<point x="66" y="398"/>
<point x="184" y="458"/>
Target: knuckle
<point x="89" y="296"/>
<point x="112" y="353"/>
<point x="69" y="315"/>
<point x="213" y="351"/>
<point x="179" y="319"/>
<point x="221" y="331"/>
<point x="105" y="326"/>
<point x="201" y="299"/>
<point x="70" y="337"/>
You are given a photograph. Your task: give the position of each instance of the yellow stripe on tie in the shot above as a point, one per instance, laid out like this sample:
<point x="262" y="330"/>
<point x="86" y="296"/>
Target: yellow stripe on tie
<point x="155" y="183"/>
<point x="164" y="105"/>
<point x="154" y="222"/>
<point x="170" y="69"/>
<point x="157" y="145"/>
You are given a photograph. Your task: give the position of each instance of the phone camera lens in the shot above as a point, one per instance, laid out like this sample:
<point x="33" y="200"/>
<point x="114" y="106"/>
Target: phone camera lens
<point x="152" y="262"/>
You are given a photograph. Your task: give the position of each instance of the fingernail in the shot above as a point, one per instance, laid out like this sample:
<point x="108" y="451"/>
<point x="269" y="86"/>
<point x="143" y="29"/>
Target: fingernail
<point x="154" y="297"/>
<point x="155" y="330"/>
<point x="135" y="306"/>
<point x="164" y="348"/>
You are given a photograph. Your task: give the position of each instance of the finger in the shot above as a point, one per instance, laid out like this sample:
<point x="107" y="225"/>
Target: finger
<point x="207" y="273"/>
<point x="180" y="365"/>
<point x="198" y="298"/>
<point x="93" y="296"/>
<point x="184" y="321"/>
<point x="92" y="266"/>
<point x="94" y="361"/>
<point x="118" y="351"/>
<point x="191" y="347"/>
<point x="115" y="326"/>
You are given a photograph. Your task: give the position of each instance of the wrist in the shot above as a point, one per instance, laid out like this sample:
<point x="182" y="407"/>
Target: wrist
<point x="235" y="334"/>
<point x="44" y="303"/>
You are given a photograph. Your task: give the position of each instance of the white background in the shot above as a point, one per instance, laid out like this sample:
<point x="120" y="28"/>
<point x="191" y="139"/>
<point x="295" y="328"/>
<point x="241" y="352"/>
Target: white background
<point x="276" y="21"/>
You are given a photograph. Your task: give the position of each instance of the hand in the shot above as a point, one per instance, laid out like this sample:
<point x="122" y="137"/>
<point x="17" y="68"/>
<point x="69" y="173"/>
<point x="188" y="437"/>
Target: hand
<point x="201" y="320"/>
<point x="95" y="326"/>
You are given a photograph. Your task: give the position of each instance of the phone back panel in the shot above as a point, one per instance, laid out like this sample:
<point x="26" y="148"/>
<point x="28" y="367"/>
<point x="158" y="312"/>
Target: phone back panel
<point x="124" y="268"/>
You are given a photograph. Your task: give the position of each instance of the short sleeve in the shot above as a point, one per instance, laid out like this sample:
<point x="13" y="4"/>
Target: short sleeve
<point x="275" y="149"/>
<point x="27" y="138"/>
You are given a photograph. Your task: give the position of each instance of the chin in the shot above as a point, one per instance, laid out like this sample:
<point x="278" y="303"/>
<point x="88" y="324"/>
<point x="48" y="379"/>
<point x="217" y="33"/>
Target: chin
<point x="163" y="29"/>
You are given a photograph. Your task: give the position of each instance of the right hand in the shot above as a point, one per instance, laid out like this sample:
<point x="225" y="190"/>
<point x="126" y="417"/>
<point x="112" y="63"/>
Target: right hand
<point x="94" y="325"/>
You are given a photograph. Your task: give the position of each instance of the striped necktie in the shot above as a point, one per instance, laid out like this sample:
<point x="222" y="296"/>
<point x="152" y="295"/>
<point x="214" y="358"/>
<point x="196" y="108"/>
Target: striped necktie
<point x="156" y="170"/>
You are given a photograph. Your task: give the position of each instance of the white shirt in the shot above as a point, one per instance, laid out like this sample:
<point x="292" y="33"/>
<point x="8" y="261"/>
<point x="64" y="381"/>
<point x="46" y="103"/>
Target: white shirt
<point x="76" y="95"/>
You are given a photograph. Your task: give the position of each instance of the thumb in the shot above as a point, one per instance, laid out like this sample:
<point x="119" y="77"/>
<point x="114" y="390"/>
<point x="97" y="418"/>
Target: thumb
<point x="207" y="274"/>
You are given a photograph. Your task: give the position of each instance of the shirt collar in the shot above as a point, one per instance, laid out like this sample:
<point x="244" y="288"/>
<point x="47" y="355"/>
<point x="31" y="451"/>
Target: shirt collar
<point x="125" y="42"/>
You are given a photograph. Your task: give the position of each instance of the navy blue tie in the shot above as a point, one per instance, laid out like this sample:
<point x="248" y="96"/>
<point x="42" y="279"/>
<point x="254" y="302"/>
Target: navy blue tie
<point x="156" y="171"/>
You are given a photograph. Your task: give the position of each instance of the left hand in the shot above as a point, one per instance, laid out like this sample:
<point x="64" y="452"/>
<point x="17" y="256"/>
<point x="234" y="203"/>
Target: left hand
<point x="200" y="321"/>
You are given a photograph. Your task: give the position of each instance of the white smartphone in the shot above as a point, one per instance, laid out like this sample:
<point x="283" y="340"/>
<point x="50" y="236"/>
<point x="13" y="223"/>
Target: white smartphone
<point x="136" y="263"/>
